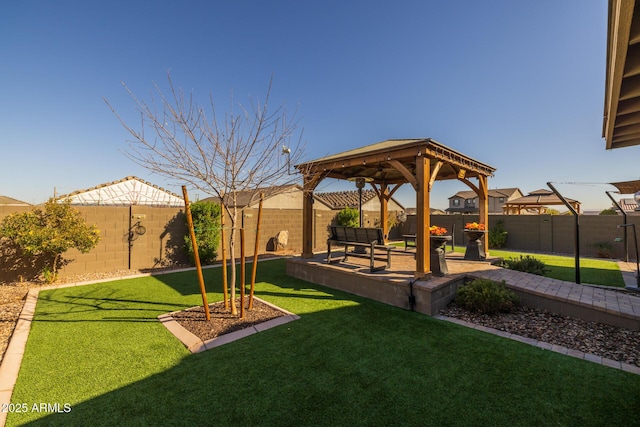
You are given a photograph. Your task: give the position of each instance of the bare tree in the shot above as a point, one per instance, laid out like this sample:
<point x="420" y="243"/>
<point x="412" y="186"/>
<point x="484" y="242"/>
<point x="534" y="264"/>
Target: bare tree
<point x="222" y="157"/>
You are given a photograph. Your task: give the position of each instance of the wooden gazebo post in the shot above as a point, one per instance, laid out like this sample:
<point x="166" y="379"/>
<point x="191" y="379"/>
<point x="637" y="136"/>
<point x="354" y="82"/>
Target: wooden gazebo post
<point x="310" y="182"/>
<point x="423" y="217"/>
<point x="483" y="209"/>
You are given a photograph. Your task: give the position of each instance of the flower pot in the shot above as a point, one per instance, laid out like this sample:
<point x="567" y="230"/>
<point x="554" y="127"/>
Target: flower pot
<point x="475" y="248"/>
<point x="438" y="261"/>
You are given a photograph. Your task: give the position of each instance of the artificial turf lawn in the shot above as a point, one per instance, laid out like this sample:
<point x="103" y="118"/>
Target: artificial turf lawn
<point x="347" y="361"/>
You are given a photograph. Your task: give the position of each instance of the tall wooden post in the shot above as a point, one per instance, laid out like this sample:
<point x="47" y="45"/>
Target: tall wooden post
<point x="196" y="256"/>
<point x="483" y="209"/>
<point x="242" y="276"/>
<point x="310" y="183"/>
<point x="384" y="210"/>
<point x="423" y="218"/>
<point x="255" y="253"/>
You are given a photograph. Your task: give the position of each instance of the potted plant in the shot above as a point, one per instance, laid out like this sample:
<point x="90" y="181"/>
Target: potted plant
<point x="475" y="249"/>
<point x="438" y="237"/>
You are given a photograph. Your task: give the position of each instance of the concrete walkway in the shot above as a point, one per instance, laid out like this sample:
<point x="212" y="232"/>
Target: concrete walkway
<point x="612" y="306"/>
<point x="629" y="274"/>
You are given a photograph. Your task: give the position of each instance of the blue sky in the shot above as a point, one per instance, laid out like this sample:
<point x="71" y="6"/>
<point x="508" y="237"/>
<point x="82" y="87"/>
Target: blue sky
<point x="518" y="85"/>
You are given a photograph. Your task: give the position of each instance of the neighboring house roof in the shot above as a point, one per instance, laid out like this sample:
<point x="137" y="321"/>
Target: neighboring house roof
<point x="621" y="125"/>
<point x="125" y="192"/>
<point x="250" y="197"/>
<point x="500" y="192"/>
<point x="433" y="211"/>
<point x="628" y="205"/>
<point x="342" y="199"/>
<point x="8" y="201"/>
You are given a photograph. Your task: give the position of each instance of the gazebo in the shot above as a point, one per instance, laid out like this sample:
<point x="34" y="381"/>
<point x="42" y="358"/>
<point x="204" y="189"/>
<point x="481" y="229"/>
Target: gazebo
<point x="388" y="165"/>
<point x="536" y="202"/>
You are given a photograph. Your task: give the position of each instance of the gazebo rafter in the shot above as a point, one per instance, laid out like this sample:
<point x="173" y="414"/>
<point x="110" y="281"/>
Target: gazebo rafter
<point x="420" y="162"/>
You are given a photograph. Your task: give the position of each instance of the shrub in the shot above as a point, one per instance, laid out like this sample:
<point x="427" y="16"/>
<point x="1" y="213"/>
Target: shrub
<point x="497" y="235"/>
<point x="486" y="296"/>
<point x="348" y="217"/>
<point x="206" y="224"/>
<point x="49" y="232"/>
<point x="527" y="263"/>
<point x="608" y="211"/>
<point x="604" y="249"/>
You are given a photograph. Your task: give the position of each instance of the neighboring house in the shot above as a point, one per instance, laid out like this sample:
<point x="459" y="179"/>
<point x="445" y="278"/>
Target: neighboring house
<point x="467" y="201"/>
<point x="339" y="200"/>
<point x="433" y="211"/>
<point x="277" y="197"/>
<point x="291" y="196"/>
<point x="8" y="201"/>
<point x="125" y="192"/>
<point x="537" y="202"/>
<point x="628" y="205"/>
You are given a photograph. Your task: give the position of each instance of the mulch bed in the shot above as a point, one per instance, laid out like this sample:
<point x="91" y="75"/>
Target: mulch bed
<point x="222" y="321"/>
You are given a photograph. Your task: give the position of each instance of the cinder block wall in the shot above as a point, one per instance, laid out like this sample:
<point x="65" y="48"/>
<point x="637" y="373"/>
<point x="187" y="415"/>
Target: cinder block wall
<point x="159" y="246"/>
<point x="548" y="233"/>
<point x="157" y="239"/>
<point x="163" y="240"/>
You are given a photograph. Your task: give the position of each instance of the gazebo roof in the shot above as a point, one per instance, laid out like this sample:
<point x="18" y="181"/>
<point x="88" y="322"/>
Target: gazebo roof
<point x="539" y="198"/>
<point x="377" y="161"/>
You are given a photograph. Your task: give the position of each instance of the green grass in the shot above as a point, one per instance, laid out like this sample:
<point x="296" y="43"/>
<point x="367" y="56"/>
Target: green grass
<point x="347" y="361"/>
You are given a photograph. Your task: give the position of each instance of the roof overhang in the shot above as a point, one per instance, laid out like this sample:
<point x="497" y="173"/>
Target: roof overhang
<point x="621" y="127"/>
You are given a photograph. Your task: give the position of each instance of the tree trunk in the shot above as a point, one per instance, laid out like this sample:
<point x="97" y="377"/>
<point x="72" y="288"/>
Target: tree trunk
<point x="232" y="256"/>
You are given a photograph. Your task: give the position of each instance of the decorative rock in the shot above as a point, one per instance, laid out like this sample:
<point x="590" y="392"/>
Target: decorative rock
<point x="281" y="240"/>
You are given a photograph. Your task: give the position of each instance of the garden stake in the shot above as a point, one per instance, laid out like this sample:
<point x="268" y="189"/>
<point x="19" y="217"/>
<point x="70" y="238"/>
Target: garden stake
<point x="224" y="259"/>
<point x="255" y="254"/>
<point x="242" y="278"/>
<point x="196" y="256"/>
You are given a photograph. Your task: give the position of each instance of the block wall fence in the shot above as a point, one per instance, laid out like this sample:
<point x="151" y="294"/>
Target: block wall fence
<point x="161" y="244"/>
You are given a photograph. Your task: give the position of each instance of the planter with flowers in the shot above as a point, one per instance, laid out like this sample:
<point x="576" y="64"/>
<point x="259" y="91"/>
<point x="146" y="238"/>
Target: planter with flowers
<point x="439" y="238"/>
<point x="475" y="249"/>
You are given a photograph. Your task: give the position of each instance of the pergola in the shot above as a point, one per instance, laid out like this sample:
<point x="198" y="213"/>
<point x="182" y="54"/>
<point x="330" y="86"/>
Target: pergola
<point x="388" y="165"/>
<point x="536" y="201"/>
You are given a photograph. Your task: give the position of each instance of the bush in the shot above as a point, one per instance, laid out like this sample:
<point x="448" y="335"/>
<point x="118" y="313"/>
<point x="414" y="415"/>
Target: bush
<point x="348" y="217"/>
<point x="206" y="224"/>
<point x="608" y="211"/>
<point x="49" y="232"/>
<point x="497" y="235"/>
<point x="486" y="296"/>
<point x="527" y="264"/>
